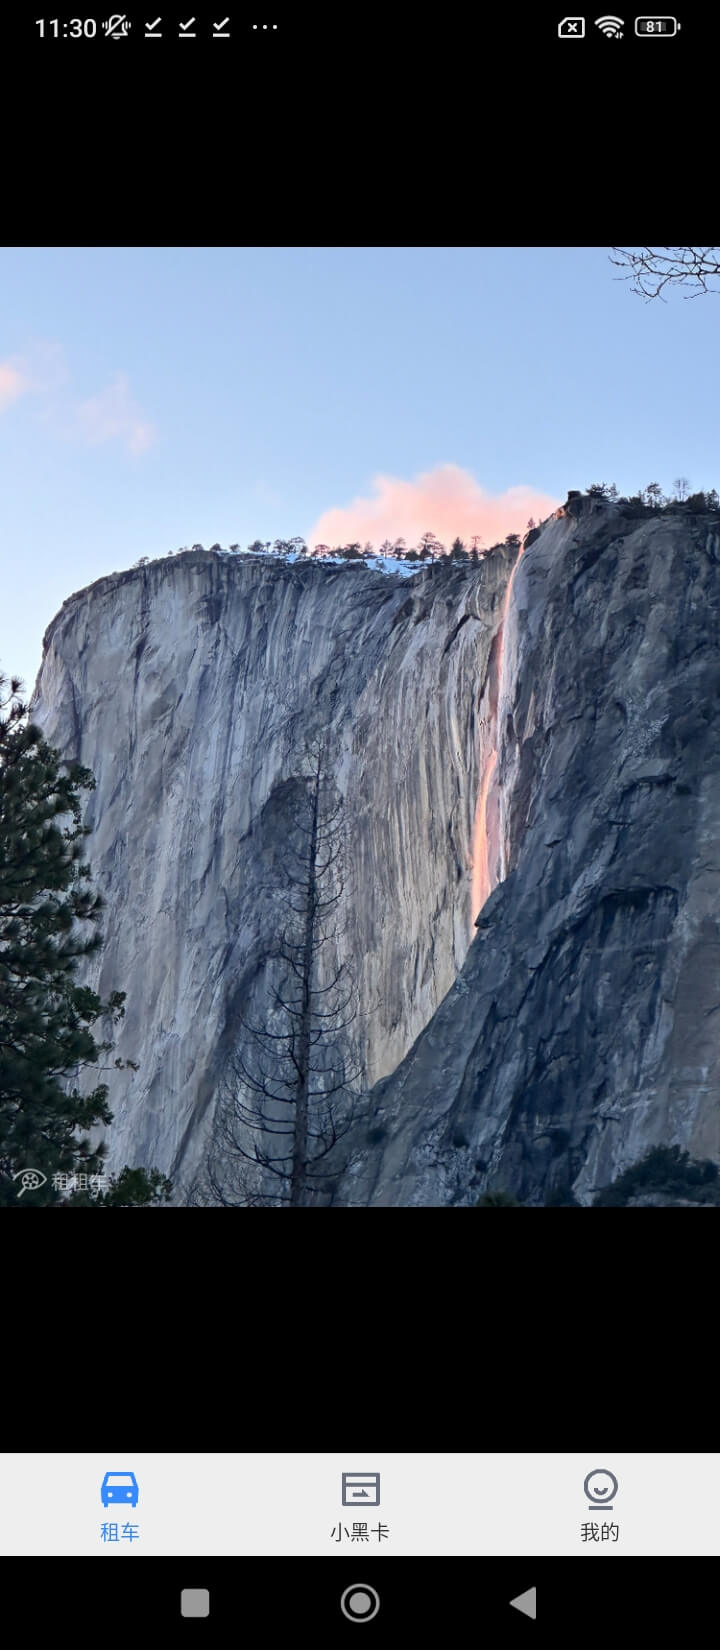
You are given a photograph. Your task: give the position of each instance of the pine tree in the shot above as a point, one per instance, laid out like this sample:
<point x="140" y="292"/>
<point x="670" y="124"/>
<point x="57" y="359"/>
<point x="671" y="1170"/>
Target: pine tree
<point x="130" y="1189"/>
<point x="458" y="551"/>
<point x="48" y="923"/>
<point x="429" y="547"/>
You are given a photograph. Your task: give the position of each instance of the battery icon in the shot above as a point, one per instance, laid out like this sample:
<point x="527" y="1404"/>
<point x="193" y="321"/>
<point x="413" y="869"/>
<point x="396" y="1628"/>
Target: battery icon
<point x="656" y="27"/>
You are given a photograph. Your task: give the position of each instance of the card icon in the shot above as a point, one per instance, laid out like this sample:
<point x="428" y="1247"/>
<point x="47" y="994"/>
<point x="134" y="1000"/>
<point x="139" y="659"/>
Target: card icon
<point x="361" y="1488"/>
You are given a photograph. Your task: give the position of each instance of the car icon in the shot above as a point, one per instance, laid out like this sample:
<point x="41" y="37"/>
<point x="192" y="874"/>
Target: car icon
<point x="119" y="1487"/>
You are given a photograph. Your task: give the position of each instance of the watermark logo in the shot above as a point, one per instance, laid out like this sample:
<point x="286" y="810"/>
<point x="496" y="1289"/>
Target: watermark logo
<point x="81" y="1182"/>
<point x="32" y="1180"/>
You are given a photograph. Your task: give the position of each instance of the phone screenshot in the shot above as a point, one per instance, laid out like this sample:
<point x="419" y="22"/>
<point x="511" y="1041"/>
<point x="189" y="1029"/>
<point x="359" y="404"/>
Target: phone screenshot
<point x="359" y="823"/>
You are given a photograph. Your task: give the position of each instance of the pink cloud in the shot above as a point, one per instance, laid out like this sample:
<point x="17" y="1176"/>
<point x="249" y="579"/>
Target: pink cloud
<point x="446" y="501"/>
<point x="112" y="414"/>
<point x="13" y="384"/>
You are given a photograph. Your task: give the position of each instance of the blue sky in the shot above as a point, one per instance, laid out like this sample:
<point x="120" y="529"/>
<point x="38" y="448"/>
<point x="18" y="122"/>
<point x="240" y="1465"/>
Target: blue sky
<point x="155" y="397"/>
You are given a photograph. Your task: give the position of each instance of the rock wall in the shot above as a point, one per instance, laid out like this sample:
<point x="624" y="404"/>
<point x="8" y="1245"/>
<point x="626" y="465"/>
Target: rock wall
<point x="584" y="1026"/>
<point x="172" y="683"/>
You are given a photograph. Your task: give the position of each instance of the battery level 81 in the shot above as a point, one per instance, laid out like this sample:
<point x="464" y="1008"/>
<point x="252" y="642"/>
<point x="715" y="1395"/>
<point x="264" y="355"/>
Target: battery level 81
<point x="654" y="26"/>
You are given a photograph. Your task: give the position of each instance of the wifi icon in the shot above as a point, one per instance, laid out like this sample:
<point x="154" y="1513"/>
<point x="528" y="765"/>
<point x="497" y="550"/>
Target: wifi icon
<point x="610" y="26"/>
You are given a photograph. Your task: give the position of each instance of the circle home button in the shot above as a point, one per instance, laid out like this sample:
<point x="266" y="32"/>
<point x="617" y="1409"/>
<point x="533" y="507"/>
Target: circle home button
<point x="360" y="1602"/>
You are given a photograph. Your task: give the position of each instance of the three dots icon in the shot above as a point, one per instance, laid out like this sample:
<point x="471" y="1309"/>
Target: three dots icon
<point x="264" y="25"/>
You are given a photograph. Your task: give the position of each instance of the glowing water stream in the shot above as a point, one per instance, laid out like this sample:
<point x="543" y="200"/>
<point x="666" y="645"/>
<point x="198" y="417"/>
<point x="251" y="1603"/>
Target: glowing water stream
<point x="481" y="869"/>
<point x="484" y="877"/>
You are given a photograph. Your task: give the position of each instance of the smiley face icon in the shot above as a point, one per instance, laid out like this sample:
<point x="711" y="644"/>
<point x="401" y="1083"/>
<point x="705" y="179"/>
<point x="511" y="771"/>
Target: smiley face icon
<point x="600" y="1487"/>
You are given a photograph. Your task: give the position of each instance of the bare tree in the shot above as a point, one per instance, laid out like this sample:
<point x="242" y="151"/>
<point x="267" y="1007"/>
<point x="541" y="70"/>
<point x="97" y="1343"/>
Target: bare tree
<point x="289" y="1096"/>
<point x="682" y="488"/>
<point x="653" y="268"/>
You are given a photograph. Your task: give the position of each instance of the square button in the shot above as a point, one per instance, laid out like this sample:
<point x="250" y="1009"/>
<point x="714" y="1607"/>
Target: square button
<point x="195" y="1601"/>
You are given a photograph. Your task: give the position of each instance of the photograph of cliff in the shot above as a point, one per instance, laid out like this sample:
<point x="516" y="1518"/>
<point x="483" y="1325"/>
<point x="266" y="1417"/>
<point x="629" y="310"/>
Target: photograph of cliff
<point x="377" y="866"/>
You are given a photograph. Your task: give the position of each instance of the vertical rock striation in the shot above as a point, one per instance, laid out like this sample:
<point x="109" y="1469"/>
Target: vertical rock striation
<point x="584" y="1026"/>
<point x="571" y="732"/>
<point x="173" y="683"/>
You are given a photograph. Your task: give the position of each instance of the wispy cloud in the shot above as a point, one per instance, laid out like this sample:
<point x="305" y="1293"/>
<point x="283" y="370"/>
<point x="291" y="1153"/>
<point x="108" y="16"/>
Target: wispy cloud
<point x="114" y="415"/>
<point x="446" y="500"/>
<point x="110" y="415"/>
<point x="13" y="383"/>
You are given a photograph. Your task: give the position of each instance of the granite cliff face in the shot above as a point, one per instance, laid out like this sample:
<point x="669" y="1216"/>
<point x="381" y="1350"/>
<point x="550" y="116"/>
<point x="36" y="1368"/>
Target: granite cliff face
<point x="558" y="722"/>
<point x="175" y="683"/>
<point x="584" y="1026"/>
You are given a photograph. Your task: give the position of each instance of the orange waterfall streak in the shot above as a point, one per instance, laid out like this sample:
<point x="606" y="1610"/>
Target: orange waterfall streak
<point x="481" y="882"/>
<point x="481" y="869"/>
<point x="506" y="605"/>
